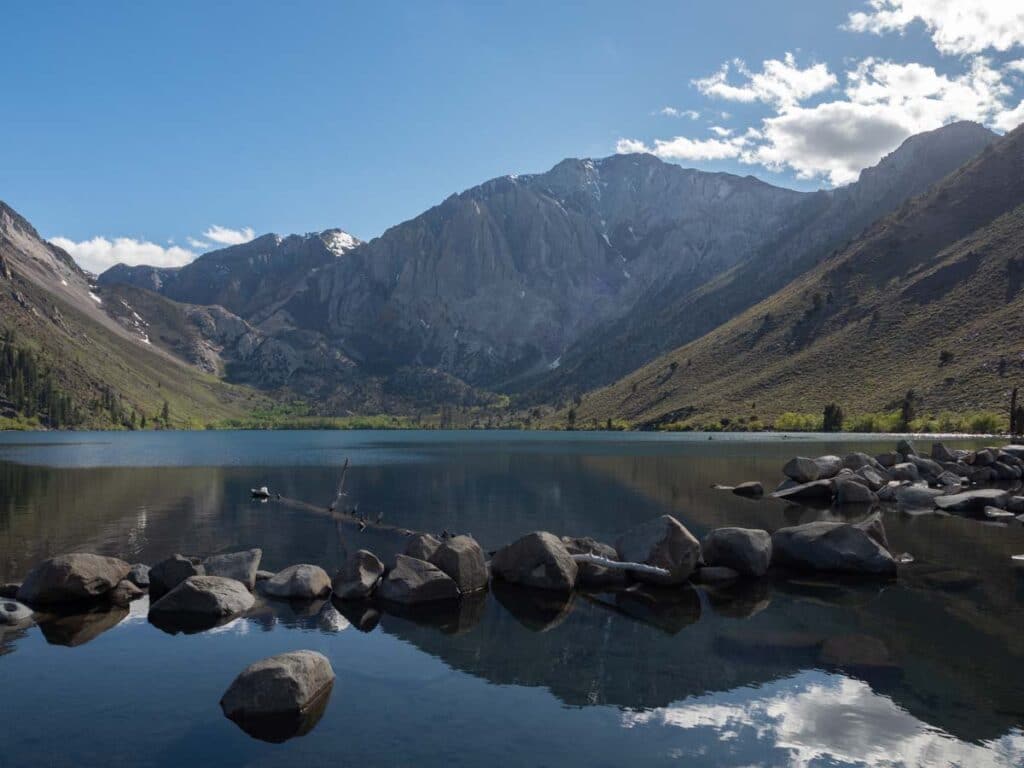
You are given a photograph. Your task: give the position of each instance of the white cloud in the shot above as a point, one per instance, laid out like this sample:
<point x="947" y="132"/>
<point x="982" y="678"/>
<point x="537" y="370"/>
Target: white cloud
<point x="99" y="253"/>
<point x="630" y="146"/>
<point x="720" y="131"/>
<point x="226" y="236"/>
<point x="956" y="27"/>
<point x="692" y="114"/>
<point x="200" y="245"/>
<point x="779" y="82"/>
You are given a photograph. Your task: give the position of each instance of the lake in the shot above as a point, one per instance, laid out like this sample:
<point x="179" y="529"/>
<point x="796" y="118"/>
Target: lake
<point x="927" y="671"/>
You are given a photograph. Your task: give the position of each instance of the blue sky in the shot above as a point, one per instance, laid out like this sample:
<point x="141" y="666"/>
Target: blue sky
<point x="132" y="130"/>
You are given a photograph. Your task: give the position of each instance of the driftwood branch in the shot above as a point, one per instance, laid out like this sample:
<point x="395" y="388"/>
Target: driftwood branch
<point x="341" y="488"/>
<point x="618" y="565"/>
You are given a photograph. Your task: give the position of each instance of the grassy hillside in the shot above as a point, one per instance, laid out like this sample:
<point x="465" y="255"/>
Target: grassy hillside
<point x="929" y="299"/>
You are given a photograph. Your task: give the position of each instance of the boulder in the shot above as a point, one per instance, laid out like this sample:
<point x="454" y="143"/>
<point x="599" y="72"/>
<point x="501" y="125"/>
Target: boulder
<point x="72" y="578"/>
<point x="888" y="491"/>
<point x="981" y="458"/>
<point x="663" y="542"/>
<point x="264" y="575"/>
<point x="751" y="489"/>
<point x="714" y="574"/>
<point x="538" y="559"/>
<point x="12" y="612"/>
<point x="240" y="566"/>
<point x="832" y="546"/>
<point x="590" y="574"/>
<point x="139" y="576"/>
<point x="416" y="581"/>
<point x="872" y="477"/>
<point x="982" y="475"/>
<point x="785" y="485"/>
<point x="906" y="449"/>
<point x="1016" y="450"/>
<point x="828" y="466"/>
<point x="299" y="582"/>
<point x="818" y="489"/>
<point x="917" y="496"/>
<point x="874" y="528"/>
<point x="124" y="593"/>
<point x="1005" y="472"/>
<point x="280" y="697"/>
<point x="422" y="546"/>
<point x="212" y="597"/>
<point x="949" y="480"/>
<point x="1014" y="503"/>
<point x="745" y="550"/>
<point x="10" y="589"/>
<point x="169" y="573"/>
<point x="856" y="460"/>
<point x="941" y="453"/>
<point x="973" y="501"/>
<point x="849" y="491"/>
<point x="905" y="472"/>
<point x="801" y="469"/>
<point x="926" y="467"/>
<point x="462" y="559"/>
<point x="359" y="577"/>
<point x="890" y="459"/>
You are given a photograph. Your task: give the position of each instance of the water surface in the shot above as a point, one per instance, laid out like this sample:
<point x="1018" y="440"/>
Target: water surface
<point x="926" y="671"/>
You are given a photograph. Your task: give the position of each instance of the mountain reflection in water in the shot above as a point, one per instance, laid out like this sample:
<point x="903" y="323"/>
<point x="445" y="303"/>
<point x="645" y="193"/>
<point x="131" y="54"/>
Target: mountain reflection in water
<point x="808" y="671"/>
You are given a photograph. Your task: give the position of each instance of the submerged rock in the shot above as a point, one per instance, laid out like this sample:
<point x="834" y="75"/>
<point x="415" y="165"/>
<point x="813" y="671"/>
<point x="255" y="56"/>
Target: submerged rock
<point x="663" y="542"/>
<point x="72" y="578"/>
<point x="462" y="559"/>
<point x="830" y="546"/>
<point x="241" y="566"/>
<point x="416" y="581"/>
<point x="169" y="573"/>
<point x="299" y="582"/>
<point x="752" y="489"/>
<point x="359" y="577"/>
<point x="538" y="559"/>
<point x="281" y="697"/>
<point x="745" y="550"/>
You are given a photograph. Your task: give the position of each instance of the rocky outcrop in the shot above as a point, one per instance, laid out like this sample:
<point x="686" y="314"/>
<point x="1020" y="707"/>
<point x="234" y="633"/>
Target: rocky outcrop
<point x="538" y="560"/>
<point x="748" y="551"/>
<point x="241" y="566"/>
<point x="663" y="542"/>
<point x="359" y="576"/>
<point x="831" y="546"/>
<point x="414" y="581"/>
<point x="72" y="578"/>
<point x="280" y="697"/>
<point x="299" y="582"/>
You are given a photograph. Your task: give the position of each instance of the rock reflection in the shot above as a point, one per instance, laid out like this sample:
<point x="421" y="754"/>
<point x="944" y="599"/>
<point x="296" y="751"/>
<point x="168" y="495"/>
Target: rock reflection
<point x="188" y="623"/>
<point x="739" y="599"/>
<point x="362" y="614"/>
<point x="539" y="610"/>
<point x="284" y="726"/>
<point x="670" y="609"/>
<point x="78" y="626"/>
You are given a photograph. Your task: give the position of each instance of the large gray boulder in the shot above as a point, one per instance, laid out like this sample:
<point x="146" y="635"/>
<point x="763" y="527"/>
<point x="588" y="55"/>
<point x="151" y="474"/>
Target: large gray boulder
<point x="905" y="472"/>
<point x="169" y="573"/>
<point x="663" y="542"/>
<point x="872" y="477"/>
<point x="591" y="574"/>
<point x="906" y="449"/>
<point x="890" y="459"/>
<point x="831" y="546"/>
<point x="850" y="491"/>
<point x="299" y="582"/>
<point x="801" y="469"/>
<point x="973" y="501"/>
<point x="1016" y="450"/>
<point x="982" y="458"/>
<point x="13" y="613"/>
<point x="211" y="597"/>
<point x="941" y="453"/>
<point x="748" y="551"/>
<point x="750" y="489"/>
<point x="414" y="581"/>
<point x="828" y="466"/>
<point x="139" y="575"/>
<point x="926" y="467"/>
<point x="241" y="566"/>
<point x="917" y="496"/>
<point x="125" y="593"/>
<point x="359" y="577"/>
<point x="422" y="546"/>
<point x="277" y="698"/>
<point x="856" y="460"/>
<point x="72" y="578"/>
<point x="538" y="559"/>
<point x="462" y="559"/>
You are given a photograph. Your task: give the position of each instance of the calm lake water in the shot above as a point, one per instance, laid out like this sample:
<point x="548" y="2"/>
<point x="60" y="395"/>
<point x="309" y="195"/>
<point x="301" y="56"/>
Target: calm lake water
<point x="928" y="671"/>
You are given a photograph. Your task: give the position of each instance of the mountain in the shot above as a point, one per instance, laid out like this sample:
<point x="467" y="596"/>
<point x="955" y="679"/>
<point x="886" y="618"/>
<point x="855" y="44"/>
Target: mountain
<point x="496" y="282"/>
<point x="676" y="311"/>
<point x="58" y="324"/>
<point x="250" y="280"/>
<point x="927" y="299"/>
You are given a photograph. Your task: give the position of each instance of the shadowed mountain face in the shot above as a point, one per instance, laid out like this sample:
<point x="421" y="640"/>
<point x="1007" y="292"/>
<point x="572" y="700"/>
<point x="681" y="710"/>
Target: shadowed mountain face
<point x="927" y="298"/>
<point x="674" y="312"/>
